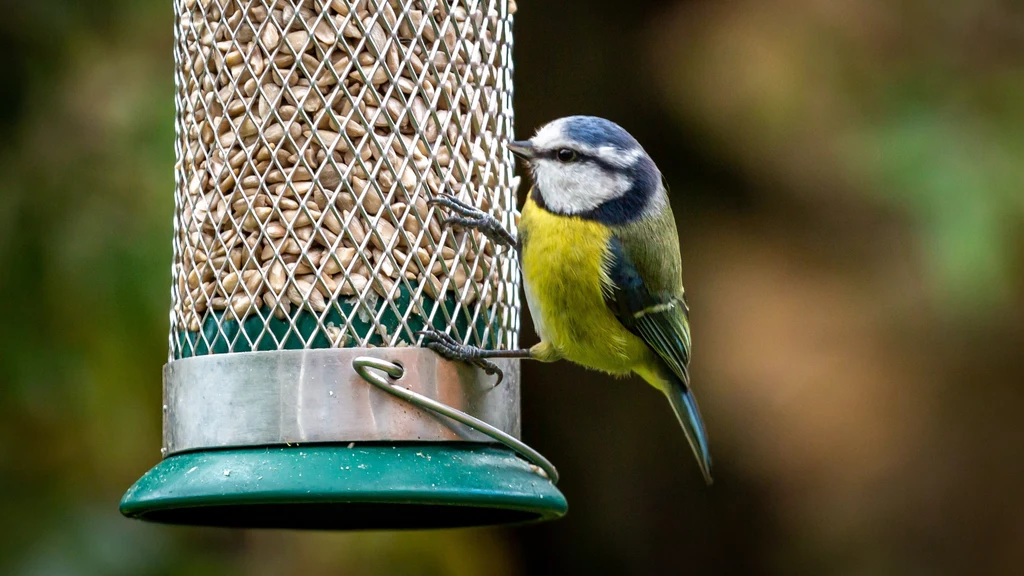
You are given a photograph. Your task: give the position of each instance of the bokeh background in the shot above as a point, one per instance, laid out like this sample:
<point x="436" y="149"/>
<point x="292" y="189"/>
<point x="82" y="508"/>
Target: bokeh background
<point x="848" y="176"/>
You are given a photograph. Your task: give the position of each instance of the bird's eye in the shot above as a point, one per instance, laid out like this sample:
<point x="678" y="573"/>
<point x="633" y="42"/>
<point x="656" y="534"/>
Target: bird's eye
<point x="566" y="155"/>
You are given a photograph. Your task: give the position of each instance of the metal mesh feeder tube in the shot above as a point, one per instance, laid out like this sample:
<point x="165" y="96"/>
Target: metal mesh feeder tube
<point x="310" y="136"/>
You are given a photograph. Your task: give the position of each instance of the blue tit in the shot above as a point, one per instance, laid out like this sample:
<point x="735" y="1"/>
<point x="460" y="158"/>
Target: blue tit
<point x="600" y="259"/>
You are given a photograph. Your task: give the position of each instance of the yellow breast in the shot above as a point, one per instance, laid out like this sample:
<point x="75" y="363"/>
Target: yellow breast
<point x="563" y="262"/>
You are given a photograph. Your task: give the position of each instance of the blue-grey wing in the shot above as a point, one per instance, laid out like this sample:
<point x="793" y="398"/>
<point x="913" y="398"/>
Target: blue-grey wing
<point x="660" y="320"/>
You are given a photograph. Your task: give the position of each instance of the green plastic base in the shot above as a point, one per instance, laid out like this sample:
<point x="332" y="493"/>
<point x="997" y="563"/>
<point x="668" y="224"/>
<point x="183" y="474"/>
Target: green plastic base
<point x="368" y="486"/>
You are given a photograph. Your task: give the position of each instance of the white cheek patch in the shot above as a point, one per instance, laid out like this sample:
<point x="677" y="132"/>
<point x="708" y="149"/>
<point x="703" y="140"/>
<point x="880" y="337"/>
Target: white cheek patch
<point x="576" y="188"/>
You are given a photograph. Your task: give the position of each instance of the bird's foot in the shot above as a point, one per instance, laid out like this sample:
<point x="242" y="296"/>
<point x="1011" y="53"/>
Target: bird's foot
<point x="471" y="217"/>
<point x="452" y="349"/>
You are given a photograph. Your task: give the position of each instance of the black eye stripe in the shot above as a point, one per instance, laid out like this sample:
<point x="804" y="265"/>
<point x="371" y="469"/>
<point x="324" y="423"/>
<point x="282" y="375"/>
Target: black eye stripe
<point x="582" y="158"/>
<point x="553" y="154"/>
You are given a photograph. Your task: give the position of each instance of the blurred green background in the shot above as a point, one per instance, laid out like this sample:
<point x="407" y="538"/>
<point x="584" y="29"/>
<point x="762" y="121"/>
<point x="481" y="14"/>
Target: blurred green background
<point x="849" y="180"/>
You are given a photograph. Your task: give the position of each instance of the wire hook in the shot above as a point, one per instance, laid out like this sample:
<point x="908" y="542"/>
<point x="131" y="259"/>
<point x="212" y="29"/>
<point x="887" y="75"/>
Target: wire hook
<point x="367" y="367"/>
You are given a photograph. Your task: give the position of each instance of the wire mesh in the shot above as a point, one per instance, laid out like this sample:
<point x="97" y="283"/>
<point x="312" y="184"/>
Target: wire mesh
<point x="310" y="135"/>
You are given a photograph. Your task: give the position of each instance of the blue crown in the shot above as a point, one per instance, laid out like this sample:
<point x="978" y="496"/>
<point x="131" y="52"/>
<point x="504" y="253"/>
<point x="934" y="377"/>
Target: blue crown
<point x="598" y="132"/>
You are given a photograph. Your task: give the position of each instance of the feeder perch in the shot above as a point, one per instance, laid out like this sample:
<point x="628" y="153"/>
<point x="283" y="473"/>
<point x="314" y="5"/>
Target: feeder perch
<point x="310" y="135"/>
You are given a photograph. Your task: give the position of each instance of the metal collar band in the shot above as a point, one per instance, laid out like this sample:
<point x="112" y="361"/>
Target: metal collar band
<point x="303" y="396"/>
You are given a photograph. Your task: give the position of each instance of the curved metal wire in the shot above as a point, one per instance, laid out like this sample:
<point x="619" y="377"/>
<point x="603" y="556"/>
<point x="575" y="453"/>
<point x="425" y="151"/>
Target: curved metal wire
<point x="362" y="366"/>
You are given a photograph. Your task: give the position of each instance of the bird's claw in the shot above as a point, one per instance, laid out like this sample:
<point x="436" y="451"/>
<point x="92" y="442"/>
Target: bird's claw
<point x="471" y="217"/>
<point x="450" y="202"/>
<point x="451" y="349"/>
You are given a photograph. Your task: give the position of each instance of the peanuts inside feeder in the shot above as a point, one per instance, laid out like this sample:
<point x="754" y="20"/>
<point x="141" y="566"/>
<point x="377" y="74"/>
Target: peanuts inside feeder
<point x="310" y="136"/>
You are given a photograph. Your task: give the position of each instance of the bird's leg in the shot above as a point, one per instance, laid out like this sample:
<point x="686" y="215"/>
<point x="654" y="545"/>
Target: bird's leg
<point x="470" y="217"/>
<point x="452" y="349"/>
<point x="443" y="344"/>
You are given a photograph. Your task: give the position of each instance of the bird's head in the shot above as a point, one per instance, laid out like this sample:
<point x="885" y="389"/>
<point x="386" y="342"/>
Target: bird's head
<point x="592" y="168"/>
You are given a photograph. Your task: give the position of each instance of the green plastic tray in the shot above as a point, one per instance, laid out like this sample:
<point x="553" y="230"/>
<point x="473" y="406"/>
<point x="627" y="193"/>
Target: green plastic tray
<point x="367" y="486"/>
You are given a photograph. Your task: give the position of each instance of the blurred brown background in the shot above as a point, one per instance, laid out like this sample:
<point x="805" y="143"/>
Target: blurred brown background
<point x="849" y="180"/>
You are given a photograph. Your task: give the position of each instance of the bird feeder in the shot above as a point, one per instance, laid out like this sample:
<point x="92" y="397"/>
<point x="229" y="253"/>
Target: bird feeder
<point x="310" y="136"/>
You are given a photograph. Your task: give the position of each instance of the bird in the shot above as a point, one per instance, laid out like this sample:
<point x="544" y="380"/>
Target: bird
<point x="600" y="260"/>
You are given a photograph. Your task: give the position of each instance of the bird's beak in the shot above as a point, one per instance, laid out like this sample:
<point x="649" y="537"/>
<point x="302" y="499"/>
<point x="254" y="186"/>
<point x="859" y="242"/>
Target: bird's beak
<point x="523" y="149"/>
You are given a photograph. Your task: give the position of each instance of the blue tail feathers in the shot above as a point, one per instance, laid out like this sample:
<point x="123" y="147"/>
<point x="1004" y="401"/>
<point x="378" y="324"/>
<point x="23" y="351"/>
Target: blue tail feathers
<point x="688" y="414"/>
